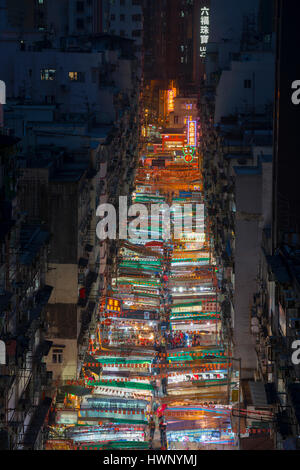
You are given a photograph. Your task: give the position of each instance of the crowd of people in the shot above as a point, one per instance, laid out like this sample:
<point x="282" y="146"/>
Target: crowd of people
<point x="196" y="339"/>
<point x="162" y="429"/>
<point x="176" y="340"/>
<point x="161" y="344"/>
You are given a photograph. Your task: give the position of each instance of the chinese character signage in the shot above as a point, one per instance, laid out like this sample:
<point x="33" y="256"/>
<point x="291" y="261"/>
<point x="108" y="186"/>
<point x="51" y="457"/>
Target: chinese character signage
<point x="192" y="133"/>
<point x="113" y="305"/>
<point x="170" y="101"/>
<point x="204" y="30"/>
<point x="188" y="153"/>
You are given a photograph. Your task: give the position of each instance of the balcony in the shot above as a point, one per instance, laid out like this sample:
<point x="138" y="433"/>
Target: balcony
<point x="31" y="321"/>
<point x="85" y="291"/>
<point x="41" y="351"/>
<point x="36" y="424"/>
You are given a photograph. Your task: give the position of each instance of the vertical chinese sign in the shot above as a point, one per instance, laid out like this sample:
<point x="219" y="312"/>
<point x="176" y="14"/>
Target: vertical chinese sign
<point x="171" y="96"/>
<point x="204" y="30"/>
<point x="192" y="133"/>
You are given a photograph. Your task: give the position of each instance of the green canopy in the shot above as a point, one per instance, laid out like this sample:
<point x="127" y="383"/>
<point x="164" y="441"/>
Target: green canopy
<point x="76" y="390"/>
<point x="136" y="385"/>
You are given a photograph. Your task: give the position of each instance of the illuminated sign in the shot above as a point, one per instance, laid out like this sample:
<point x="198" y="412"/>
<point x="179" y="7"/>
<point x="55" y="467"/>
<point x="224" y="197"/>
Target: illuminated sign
<point x="2" y="92"/>
<point x="188" y="153"/>
<point x="171" y="96"/>
<point x="66" y="417"/>
<point x="194" y="308"/>
<point x="113" y="305"/>
<point x="192" y="133"/>
<point x="204" y="30"/>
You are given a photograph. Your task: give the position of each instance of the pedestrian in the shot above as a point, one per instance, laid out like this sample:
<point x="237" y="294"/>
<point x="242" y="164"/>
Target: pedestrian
<point x="152" y="428"/>
<point x="162" y="429"/>
<point x="164" y="385"/>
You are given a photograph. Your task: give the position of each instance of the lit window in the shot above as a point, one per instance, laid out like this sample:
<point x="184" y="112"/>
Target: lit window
<point x="76" y="76"/>
<point x="48" y="74"/>
<point x="41" y="2"/>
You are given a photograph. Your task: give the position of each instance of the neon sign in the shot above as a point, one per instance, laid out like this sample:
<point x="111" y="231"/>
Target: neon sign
<point x="192" y="134"/>
<point x="188" y="153"/>
<point x="171" y="96"/>
<point x="204" y="30"/>
<point x="113" y="305"/>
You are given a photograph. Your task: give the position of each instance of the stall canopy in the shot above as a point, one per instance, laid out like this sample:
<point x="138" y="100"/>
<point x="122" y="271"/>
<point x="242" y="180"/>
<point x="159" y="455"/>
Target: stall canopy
<point x="76" y="390"/>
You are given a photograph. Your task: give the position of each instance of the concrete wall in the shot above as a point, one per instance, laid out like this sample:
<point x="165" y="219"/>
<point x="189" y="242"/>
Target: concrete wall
<point x="182" y="113"/>
<point x="74" y="96"/>
<point x="247" y="250"/>
<point x="64" y="279"/>
<point x="226" y="18"/>
<point x="129" y="25"/>
<point x="68" y="369"/>
<point x="233" y="97"/>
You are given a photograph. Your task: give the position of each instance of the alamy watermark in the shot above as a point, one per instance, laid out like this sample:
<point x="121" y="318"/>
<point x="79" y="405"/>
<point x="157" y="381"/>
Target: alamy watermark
<point x="296" y="353"/>
<point x="152" y="221"/>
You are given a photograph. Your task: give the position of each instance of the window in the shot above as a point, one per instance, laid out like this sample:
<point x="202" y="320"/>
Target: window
<point x="188" y="118"/>
<point x="112" y="17"/>
<point x="49" y="99"/>
<point x="57" y="356"/>
<point x="176" y="119"/>
<point x="136" y="17"/>
<point x="80" y="23"/>
<point x="48" y="74"/>
<point x="122" y="17"/>
<point x="247" y="83"/>
<point x="40" y="2"/>
<point x="80" y="7"/>
<point x="136" y="33"/>
<point x="77" y="76"/>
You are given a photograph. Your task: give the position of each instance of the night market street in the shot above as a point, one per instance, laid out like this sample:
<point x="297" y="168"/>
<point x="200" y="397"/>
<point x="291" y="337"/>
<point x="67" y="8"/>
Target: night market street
<point x="149" y="229"/>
